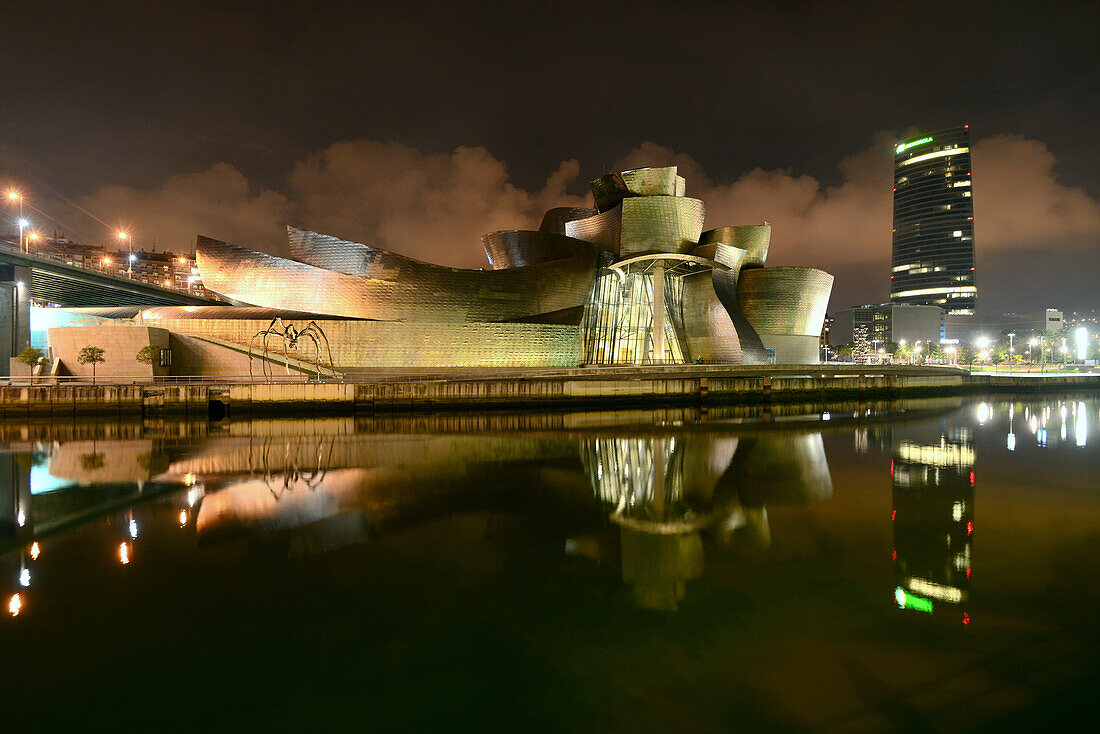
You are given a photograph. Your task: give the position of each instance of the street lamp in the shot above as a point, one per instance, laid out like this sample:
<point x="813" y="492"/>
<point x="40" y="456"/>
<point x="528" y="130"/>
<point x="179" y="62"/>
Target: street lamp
<point x="14" y="196"/>
<point x="982" y="342"/>
<point x="130" y="265"/>
<point x="1030" y="343"/>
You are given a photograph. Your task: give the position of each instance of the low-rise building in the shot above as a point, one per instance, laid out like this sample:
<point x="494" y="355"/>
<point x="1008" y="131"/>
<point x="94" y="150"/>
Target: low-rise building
<point x="962" y="328"/>
<point x="888" y="322"/>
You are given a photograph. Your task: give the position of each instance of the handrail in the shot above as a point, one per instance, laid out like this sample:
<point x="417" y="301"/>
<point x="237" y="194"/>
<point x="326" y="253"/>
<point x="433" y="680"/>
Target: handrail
<point x="601" y="372"/>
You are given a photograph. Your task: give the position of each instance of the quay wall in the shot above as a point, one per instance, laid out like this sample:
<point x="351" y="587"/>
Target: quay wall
<point x="572" y="388"/>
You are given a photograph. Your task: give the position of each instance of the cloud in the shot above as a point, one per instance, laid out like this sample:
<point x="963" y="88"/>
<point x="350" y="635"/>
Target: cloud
<point x="435" y="206"/>
<point x="431" y="206"/>
<point x="1019" y="208"/>
<point x="218" y="202"/>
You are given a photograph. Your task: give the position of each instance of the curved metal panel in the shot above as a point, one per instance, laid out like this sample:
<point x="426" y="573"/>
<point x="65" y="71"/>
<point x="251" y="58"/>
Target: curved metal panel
<point x="731" y="257"/>
<point x="725" y="287"/>
<point x="651" y="181"/>
<point x="782" y="468"/>
<point x="788" y="300"/>
<point x="708" y="328"/>
<point x="555" y="219"/>
<point x="660" y="224"/>
<point x="603" y="230"/>
<point x="333" y="253"/>
<point x="681" y="186"/>
<point x="608" y="190"/>
<point x="515" y="248"/>
<point x="752" y="238"/>
<point x="390" y="287"/>
<point x="230" y="313"/>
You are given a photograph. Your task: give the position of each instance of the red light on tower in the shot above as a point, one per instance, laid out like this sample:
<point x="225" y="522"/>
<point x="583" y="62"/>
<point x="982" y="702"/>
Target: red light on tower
<point x="970" y="219"/>
<point x="970" y="528"/>
<point x="966" y="127"/>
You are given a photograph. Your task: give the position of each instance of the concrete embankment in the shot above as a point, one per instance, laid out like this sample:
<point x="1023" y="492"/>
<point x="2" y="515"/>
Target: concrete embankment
<point x="457" y="390"/>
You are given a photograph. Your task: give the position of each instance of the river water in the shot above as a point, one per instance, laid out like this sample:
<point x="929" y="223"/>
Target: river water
<point x="928" y="564"/>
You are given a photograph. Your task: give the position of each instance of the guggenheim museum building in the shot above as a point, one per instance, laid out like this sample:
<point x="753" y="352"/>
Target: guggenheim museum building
<point x="634" y="281"/>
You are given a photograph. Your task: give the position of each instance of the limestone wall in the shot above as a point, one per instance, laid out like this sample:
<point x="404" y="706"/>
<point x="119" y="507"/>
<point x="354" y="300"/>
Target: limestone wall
<point x="120" y="344"/>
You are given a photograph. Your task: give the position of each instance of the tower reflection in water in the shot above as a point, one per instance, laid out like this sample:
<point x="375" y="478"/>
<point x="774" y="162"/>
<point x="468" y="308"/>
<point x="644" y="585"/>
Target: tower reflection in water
<point x="933" y="518"/>
<point x="665" y="492"/>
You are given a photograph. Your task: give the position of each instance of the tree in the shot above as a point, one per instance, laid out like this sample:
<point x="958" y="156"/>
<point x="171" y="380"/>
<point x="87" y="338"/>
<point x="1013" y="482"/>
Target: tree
<point x="967" y="353"/>
<point x="30" y="357"/>
<point x="91" y="355"/>
<point x="148" y="354"/>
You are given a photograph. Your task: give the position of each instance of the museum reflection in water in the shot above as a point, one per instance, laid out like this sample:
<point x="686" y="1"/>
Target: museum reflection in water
<point x="650" y="501"/>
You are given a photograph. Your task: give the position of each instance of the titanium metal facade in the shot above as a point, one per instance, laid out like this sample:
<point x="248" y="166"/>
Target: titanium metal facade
<point x="933" y="239"/>
<point x="786" y="306"/>
<point x="634" y="281"/>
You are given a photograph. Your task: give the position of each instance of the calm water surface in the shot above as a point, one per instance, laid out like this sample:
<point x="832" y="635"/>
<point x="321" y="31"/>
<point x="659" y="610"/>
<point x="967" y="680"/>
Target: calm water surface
<point x="929" y="565"/>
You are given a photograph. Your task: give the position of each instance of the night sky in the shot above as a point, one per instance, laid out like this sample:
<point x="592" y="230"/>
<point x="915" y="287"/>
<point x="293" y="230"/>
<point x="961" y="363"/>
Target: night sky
<point x="417" y="126"/>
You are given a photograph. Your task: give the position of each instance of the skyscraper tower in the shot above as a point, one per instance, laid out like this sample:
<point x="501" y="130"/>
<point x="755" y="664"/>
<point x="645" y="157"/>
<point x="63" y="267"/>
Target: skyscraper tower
<point x="933" y="252"/>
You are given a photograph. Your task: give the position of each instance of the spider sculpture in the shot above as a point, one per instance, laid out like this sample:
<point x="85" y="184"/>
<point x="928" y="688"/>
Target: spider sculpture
<point x="290" y="336"/>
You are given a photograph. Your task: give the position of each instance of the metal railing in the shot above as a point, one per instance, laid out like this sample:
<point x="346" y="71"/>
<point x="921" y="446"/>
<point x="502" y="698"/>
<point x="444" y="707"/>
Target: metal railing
<point x="636" y="372"/>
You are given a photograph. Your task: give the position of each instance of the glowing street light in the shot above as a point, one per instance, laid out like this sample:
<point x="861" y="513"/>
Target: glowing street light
<point x="14" y="196"/>
<point x="125" y="236"/>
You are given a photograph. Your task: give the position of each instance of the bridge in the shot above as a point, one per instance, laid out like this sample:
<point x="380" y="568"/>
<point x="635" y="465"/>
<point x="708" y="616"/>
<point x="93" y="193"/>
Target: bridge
<point x="25" y="277"/>
<point x="69" y="285"/>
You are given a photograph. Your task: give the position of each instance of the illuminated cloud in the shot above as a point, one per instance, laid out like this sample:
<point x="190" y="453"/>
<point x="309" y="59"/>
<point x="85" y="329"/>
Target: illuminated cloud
<point x="1025" y="218"/>
<point x="435" y="206"/>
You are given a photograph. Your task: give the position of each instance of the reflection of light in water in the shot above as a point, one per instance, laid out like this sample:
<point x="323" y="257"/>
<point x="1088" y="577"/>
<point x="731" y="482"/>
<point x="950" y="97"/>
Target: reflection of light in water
<point x="35" y="550"/>
<point x="934" y="590"/>
<point x="1063" y="432"/>
<point x="983" y="413"/>
<point x="1042" y="437"/>
<point x="193" y="495"/>
<point x="1081" y="425"/>
<point x="912" y="601"/>
<point x="183" y="518"/>
<point x="1033" y="424"/>
<point x="1011" y="411"/>
<point x="826" y="416"/>
<point x="133" y="528"/>
<point x="189" y="479"/>
<point x="25" y="577"/>
<point x="21" y="517"/>
<point x="124" y="553"/>
<point x="1011" y="442"/>
<point x="15" y="604"/>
